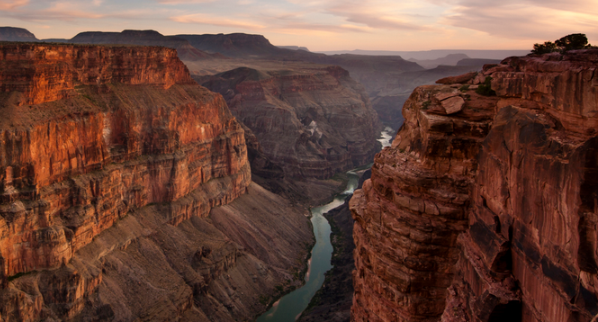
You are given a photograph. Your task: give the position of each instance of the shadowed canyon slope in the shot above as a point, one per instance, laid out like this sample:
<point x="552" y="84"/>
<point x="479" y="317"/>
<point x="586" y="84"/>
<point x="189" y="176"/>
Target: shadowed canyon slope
<point x="125" y="193"/>
<point x="311" y="123"/>
<point x="484" y="208"/>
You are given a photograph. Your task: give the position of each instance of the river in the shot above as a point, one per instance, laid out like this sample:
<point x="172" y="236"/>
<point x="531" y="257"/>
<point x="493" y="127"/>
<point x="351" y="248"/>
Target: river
<point x="386" y="136"/>
<point x="290" y="306"/>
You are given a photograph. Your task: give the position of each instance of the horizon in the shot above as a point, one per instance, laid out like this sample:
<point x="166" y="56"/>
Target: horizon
<point x="334" y="25"/>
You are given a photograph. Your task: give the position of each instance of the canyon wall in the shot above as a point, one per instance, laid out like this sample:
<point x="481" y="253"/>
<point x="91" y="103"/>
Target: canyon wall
<point x="484" y="208"/>
<point x="111" y="161"/>
<point x="310" y="122"/>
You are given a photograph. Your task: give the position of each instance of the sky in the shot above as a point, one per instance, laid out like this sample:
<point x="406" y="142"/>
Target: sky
<point x="398" y="25"/>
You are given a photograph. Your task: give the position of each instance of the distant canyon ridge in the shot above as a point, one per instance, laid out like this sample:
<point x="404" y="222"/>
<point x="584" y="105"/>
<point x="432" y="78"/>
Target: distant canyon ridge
<point x="387" y="76"/>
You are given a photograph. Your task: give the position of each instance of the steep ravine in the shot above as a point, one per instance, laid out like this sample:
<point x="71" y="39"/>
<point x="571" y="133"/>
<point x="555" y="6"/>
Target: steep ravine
<point x="125" y="193"/>
<point x="484" y="207"/>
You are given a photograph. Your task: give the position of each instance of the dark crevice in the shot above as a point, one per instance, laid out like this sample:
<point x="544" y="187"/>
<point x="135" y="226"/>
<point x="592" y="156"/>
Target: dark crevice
<point x="512" y="312"/>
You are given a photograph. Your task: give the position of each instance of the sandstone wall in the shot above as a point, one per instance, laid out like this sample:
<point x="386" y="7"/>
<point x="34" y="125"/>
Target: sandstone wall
<point x="104" y="153"/>
<point x="85" y="155"/>
<point x="483" y="209"/>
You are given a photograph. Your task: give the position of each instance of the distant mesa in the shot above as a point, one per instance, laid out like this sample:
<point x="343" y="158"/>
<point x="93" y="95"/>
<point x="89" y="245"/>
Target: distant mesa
<point x="237" y="45"/>
<point x="433" y="54"/>
<point x="450" y="59"/>
<point x="16" y="34"/>
<point x="143" y="38"/>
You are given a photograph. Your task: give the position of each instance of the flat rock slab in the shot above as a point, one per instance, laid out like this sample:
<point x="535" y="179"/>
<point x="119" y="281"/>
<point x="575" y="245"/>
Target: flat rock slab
<point x="461" y="79"/>
<point x="453" y="105"/>
<point x="444" y="95"/>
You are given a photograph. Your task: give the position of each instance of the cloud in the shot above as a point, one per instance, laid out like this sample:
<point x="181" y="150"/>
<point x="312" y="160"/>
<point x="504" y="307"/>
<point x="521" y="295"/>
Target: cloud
<point x="59" y="10"/>
<point x="70" y="10"/>
<point x="310" y="28"/>
<point x="375" y="14"/>
<point x="175" y="2"/>
<point x="528" y="19"/>
<point x="383" y="22"/>
<point x="12" y="4"/>
<point x="217" y="21"/>
<point x="73" y="10"/>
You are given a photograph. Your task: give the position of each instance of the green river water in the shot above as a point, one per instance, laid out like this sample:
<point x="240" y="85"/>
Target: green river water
<point x="290" y="306"/>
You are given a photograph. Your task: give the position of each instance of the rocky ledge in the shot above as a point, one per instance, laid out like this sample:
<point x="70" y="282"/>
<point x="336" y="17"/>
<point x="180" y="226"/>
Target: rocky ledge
<point x="484" y="208"/>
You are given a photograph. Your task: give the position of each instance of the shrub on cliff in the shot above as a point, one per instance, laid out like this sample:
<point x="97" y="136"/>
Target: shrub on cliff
<point x="485" y="88"/>
<point x="546" y="47"/>
<point x="564" y="44"/>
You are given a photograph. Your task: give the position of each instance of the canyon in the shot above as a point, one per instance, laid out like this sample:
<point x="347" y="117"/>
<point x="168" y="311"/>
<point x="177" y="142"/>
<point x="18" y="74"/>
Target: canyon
<point x="310" y="123"/>
<point x="130" y="192"/>
<point x="303" y="122"/>
<point x="126" y="193"/>
<point x="484" y="207"/>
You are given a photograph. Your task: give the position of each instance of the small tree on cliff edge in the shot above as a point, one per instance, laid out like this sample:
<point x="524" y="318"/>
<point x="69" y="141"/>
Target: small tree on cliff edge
<point x="569" y="42"/>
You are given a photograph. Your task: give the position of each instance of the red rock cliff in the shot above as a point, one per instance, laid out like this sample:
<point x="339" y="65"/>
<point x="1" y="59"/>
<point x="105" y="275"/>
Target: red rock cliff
<point x="110" y="158"/>
<point x="484" y="208"/>
<point x="70" y="168"/>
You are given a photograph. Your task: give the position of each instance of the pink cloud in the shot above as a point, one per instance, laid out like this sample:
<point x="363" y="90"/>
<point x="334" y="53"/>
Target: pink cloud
<point x="12" y="4"/>
<point x="174" y="2"/>
<point x="216" y="21"/>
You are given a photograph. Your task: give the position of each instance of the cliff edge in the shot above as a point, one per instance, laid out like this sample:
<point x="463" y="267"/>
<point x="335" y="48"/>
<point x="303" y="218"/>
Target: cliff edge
<point x="484" y="208"/>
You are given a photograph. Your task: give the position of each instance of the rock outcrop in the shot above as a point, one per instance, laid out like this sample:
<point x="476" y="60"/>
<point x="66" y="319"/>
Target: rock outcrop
<point x="311" y="123"/>
<point x="486" y="213"/>
<point x="111" y="160"/>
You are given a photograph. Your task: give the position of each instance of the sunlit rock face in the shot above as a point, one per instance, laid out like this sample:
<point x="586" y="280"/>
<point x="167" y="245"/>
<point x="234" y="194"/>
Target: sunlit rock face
<point x="311" y="123"/>
<point x="111" y="160"/>
<point x="486" y="212"/>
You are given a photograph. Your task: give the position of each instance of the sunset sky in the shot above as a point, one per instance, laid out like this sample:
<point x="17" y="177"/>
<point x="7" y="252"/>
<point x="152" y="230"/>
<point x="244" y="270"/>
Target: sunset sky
<point x="322" y="25"/>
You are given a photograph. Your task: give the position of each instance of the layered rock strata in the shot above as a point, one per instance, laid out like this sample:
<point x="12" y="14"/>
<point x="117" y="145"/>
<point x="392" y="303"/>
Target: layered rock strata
<point x="311" y="123"/>
<point x="111" y="159"/>
<point x="482" y="209"/>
